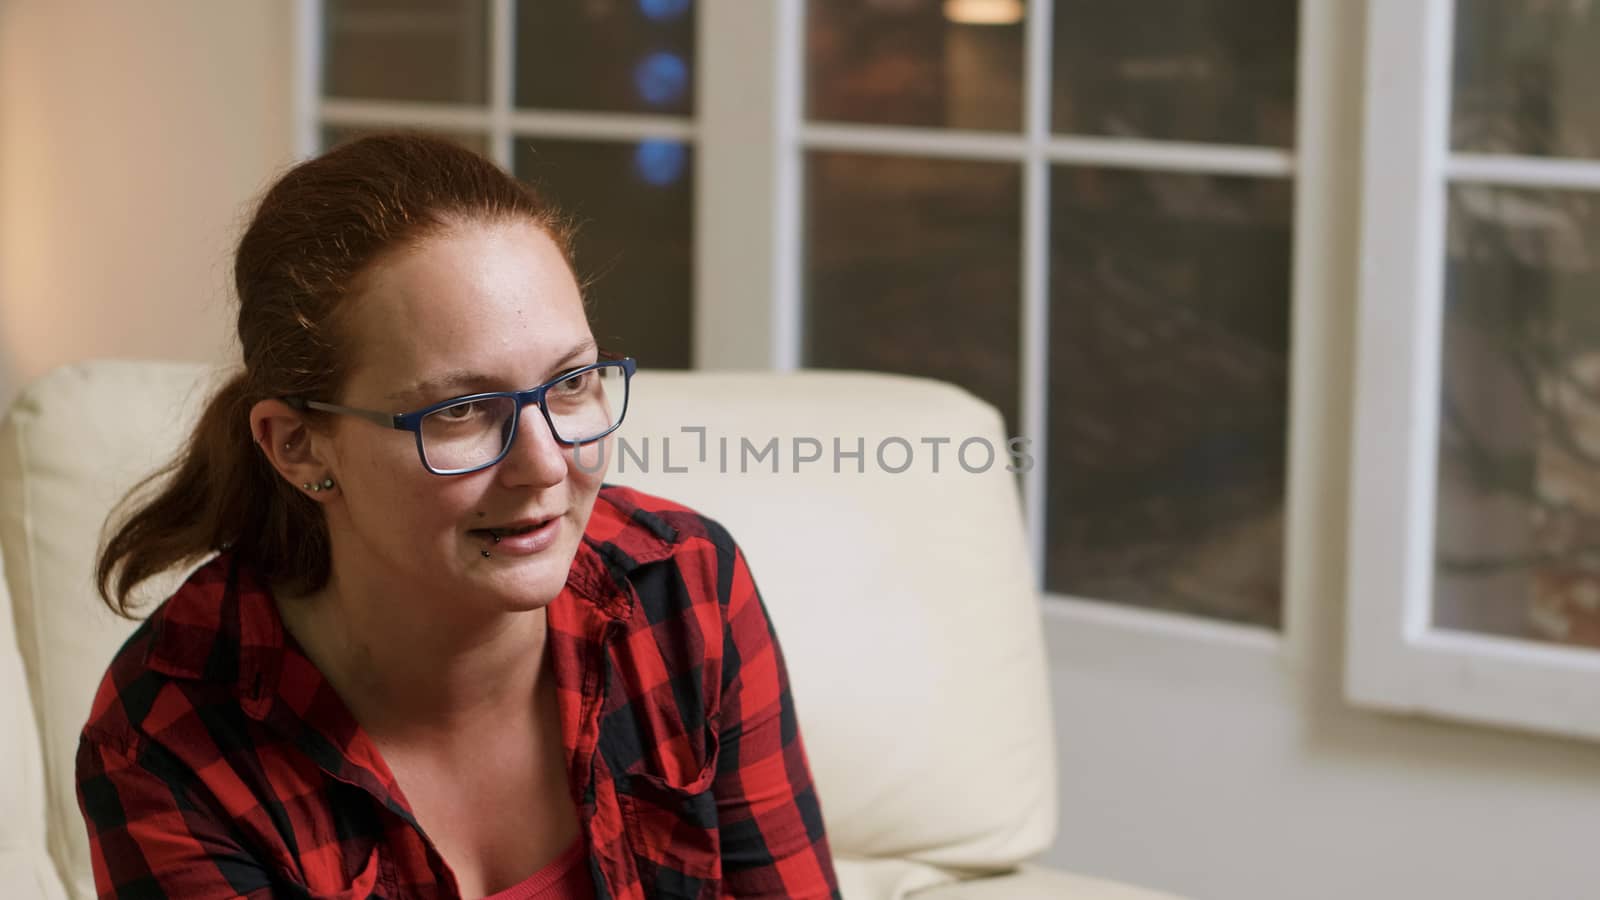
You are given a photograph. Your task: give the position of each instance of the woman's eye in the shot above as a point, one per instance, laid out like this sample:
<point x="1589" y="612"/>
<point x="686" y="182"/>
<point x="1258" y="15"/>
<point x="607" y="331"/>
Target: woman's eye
<point x="576" y="384"/>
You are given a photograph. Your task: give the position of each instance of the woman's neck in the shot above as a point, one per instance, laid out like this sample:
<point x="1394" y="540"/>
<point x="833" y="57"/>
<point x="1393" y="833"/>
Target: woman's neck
<point x="419" y="672"/>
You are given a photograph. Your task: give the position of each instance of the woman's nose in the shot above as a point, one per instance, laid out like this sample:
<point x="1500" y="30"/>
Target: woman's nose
<point x="535" y="456"/>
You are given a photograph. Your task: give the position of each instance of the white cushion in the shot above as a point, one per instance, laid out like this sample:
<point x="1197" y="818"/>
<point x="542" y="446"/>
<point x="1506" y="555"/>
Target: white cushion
<point x="30" y="874"/>
<point x="25" y="865"/>
<point x="1038" y="883"/>
<point x="904" y="602"/>
<point x="884" y="879"/>
<point x="72" y="444"/>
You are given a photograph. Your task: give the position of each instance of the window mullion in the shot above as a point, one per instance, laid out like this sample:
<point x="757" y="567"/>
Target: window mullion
<point x="1034" y="354"/>
<point x="736" y="175"/>
<point x="306" y="99"/>
<point x="1389" y="583"/>
<point x="502" y="62"/>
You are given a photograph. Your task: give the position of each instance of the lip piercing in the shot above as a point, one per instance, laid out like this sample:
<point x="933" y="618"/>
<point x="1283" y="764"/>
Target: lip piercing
<point x="485" y="552"/>
<point x="289" y="446"/>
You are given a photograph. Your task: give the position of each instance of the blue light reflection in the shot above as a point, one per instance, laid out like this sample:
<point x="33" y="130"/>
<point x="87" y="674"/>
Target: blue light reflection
<point x="663" y="10"/>
<point x="660" y="162"/>
<point x="661" y="78"/>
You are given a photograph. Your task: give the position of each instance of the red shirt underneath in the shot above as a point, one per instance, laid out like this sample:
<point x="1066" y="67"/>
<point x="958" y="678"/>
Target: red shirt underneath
<point x="564" y="878"/>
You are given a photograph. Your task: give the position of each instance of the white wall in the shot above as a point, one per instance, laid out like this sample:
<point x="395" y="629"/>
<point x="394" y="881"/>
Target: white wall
<point x="1225" y="764"/>
<point x="1217" y="771"/>
<point x="132" y="137"/>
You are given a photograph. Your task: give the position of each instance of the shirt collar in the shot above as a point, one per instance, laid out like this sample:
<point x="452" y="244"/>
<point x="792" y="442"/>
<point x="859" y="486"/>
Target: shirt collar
<point x="220" y="626"/>
<point x="621" y="536"/>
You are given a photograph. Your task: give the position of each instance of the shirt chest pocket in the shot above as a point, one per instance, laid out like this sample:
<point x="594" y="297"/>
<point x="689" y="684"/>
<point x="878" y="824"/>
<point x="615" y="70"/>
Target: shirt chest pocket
<point x="332" y="885"/>
<point x="671" y="822"/>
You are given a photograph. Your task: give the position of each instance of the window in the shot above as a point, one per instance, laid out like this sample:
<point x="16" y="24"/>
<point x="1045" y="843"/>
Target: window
<point x="1087" y="223"/>
<point x="592" y="102"/>
<point x="1475" y="577"/>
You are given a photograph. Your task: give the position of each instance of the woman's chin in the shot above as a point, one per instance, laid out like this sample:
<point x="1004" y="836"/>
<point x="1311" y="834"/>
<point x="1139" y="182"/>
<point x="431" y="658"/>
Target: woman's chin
<point x="529" y="583"/>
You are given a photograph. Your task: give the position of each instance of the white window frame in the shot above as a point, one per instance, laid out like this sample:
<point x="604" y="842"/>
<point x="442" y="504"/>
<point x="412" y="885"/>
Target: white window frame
<point x="1396" y="659"/>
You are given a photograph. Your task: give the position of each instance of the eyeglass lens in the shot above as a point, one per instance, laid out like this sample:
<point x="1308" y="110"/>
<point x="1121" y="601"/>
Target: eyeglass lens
<point x="582" y="406"/>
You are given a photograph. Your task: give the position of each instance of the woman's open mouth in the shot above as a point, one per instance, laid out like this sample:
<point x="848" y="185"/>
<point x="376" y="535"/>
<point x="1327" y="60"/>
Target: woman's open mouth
<point x="507" y="532"/>
<point x="518" y="538"/>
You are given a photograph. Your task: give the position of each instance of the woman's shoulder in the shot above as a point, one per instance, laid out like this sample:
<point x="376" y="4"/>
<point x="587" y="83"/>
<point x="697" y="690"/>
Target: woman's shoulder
<point x="177" y="657"/>
<point x="653" y="525"/>
<point x="640" y="533"/>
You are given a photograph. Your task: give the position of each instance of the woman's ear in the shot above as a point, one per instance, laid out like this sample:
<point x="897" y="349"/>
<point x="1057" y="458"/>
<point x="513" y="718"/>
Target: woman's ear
<point x="290" y="445"/>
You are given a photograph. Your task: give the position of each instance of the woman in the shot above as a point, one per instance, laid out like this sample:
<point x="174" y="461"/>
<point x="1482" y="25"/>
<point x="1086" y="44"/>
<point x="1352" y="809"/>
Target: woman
<point x="443" y="663"/>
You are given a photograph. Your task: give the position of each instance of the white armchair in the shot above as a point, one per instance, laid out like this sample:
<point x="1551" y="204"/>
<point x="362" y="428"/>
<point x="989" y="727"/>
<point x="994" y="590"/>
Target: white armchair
<point x="903" y="602"/>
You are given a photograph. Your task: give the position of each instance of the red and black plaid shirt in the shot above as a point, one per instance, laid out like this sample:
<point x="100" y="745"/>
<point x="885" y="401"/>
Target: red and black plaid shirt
<point x="218" y="762"/>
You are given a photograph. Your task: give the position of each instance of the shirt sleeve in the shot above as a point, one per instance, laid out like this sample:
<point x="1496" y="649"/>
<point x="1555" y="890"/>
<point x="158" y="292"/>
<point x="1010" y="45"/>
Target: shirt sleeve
<point x="772" y="835"/>
<point x="149" y="837"/>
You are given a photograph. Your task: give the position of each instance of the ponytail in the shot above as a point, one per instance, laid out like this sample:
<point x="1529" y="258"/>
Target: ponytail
<point x="219" y="493"/>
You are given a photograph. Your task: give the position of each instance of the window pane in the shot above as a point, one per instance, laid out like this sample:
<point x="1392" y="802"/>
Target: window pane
<point x="1525" y="76"/>
<point x="634" y="205"/>
<point x="333" y="135"/>
<point x="606" y="55"/>
<point x="911" y="266"/>
<point x="915" y="62"/>
<point x="1214" y="71"/>
<point x="1518" y="525"/>
<point x="1168" y="391"/>
<point x="432" y="50"/>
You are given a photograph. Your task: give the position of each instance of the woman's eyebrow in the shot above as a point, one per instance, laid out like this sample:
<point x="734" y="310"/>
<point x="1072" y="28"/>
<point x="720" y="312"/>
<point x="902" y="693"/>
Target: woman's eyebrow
<point x="466" y="380"/>
<point x="454" y="380"/>
<point x="583" y="349"/>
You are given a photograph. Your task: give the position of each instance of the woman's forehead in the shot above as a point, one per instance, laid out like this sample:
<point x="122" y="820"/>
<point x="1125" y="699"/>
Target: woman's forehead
<point x="492" y="298"/>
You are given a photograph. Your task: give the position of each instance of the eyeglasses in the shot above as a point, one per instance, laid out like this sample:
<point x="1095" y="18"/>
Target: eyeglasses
<point x="466" y="434"/>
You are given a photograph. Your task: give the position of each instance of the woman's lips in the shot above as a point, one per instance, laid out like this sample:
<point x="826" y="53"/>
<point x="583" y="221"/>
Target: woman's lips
<point x="523" y="544"/>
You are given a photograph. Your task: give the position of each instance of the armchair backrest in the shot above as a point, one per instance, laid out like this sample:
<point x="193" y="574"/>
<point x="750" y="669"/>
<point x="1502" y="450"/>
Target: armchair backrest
<point x="25" y="864"/>
<point x="71" y="445"/>
<point x="903" y="600"/>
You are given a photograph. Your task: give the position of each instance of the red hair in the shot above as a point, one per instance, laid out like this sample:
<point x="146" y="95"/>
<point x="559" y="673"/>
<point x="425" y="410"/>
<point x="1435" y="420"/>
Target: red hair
<point x="314" y="233"/>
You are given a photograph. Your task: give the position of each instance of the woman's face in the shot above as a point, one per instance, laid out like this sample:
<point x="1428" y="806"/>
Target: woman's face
<point x="478" y="307"/>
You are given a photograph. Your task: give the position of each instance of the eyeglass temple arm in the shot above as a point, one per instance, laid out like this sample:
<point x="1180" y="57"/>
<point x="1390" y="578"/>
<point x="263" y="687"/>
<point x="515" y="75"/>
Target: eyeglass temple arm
<point x="387" y="420"/>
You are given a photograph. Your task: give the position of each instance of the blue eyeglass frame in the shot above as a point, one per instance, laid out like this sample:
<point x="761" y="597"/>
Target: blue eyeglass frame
<point x="412" y="421"/>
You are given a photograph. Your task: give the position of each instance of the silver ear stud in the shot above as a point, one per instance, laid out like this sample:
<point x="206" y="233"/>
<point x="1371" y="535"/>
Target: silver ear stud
<point x="325" y="484"/>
